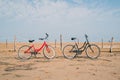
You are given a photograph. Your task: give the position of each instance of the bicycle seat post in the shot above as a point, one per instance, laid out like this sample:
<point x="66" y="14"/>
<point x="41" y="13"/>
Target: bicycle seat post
<point x="74" y="39"/>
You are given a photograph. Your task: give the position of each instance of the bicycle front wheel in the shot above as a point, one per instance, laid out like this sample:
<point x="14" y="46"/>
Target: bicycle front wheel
<point x="22" y="54"/>
<point x="69" y="51"/>
<point x="93" y="51"/>
<point x="49" y="52"/>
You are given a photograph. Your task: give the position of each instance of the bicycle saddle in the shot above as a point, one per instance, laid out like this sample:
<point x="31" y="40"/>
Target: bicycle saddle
<point x="73" y="38"/>
<point x="41" y="38"/>
<point x="31" y="41"/>
<point x="45" y="37"/>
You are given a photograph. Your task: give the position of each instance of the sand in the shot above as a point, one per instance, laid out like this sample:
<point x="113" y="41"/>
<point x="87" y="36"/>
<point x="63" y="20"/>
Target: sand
<point x="106" y="67"/>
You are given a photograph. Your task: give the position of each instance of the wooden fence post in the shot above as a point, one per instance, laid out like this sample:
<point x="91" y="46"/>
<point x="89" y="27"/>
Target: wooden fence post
<point x="14" y="43"/>
<point x="102" y="44"/>
<point x="6" y="44"/>
<point x="60" y="41"/>
<point x="111" y="44"/>
<point x="78" y="41"/>
<point x="55" y="43"/>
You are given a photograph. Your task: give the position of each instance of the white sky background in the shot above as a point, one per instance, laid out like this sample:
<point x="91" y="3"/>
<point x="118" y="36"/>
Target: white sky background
<point x="30" y="19"/>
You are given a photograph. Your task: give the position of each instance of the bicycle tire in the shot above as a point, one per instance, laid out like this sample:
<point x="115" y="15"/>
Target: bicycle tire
<point x="22" y="54"/>
<point x="92" y="51"/>
<point x="49" y="52"/>
<point x="69" y="51"/>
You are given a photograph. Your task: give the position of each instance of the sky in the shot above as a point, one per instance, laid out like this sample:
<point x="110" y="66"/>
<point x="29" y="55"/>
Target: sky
<point x="30" y="19"/>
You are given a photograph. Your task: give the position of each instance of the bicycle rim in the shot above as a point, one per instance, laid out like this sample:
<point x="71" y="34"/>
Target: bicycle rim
<point x="69" y="51"/>
<point x="93" y="51"/>
<point x="22" y="54"/>
<point x="49" y="52"/>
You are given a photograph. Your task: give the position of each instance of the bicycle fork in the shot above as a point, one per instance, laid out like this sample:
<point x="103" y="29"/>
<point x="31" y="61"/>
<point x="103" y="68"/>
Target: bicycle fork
<point x="47" y="48"/>
<point x="91" y="48"/>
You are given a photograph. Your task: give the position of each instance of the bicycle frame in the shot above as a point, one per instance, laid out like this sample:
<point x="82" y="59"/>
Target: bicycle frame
<point x="83" y="47"/>
<point x="27" y="51"/>
<point x="39" y="49"/>
<point x="71" y="51"/>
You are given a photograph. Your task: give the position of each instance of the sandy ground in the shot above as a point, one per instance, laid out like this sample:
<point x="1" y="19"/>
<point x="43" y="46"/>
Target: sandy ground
<point x="106" y="67"/>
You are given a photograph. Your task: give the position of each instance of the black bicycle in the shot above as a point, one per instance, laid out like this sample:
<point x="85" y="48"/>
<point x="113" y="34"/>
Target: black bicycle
<point x="71" y="51"/>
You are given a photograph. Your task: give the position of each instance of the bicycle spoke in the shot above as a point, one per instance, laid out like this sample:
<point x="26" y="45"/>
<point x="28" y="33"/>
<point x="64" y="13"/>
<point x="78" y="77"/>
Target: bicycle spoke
<point x="69" y="51"/>
<point x="49" y="52"/>
<point x="24" y="52"/>
<point x="93" y="51"/>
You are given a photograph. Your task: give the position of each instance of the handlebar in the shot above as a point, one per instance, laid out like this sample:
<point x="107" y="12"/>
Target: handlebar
<point x="86" y="36"/>
<point x="45" y="37"/>
<point x="73" y="38"/>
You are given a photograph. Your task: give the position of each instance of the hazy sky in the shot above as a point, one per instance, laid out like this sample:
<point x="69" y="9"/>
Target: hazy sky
<point x="30" y="19"/>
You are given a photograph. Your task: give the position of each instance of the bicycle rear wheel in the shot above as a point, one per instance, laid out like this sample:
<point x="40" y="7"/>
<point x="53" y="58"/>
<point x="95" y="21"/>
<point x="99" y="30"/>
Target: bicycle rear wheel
<point x="69" y="51"/>
<point x="49" y="52"/>
<point x="24" y="55"/>
<point x="93" y="51"/>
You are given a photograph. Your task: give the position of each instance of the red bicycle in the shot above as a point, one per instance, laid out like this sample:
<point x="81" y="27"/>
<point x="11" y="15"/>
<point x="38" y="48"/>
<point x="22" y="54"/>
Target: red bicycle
<point x="26" y="51"/>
